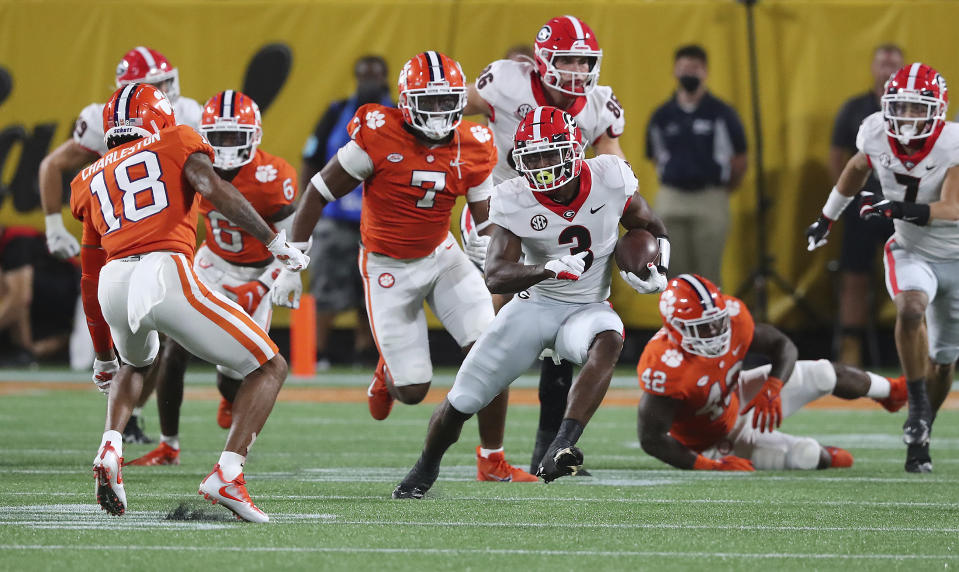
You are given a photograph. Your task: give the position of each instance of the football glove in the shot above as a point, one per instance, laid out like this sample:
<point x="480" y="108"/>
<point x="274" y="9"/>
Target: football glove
<point x="475" y="248"/>
<point x="559" y="462"/>
<point x="569" y="267"/>
<point x="657" y="282"/>
<point x="817" y="232"/>
<point x="249" y="294"/>
<point x="287" y="290"/>
<point x="292" y="258"/>
<point x="768" y="405"/>
<point x="915" y="213"/>
<point x="60" y="243"/>
<point x="103" y="374"/>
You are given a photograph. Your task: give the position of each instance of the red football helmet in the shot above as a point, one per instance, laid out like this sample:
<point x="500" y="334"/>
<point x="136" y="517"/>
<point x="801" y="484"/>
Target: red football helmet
<point x="694" y="312"/>
<point x="136" y="110"/>
<point x="567" y="36"/>
<point x="548" y="148"/>
<point x="432" y="91"/>
<point x="145" y="65"/>
<point x="914" y="103"/>
<point x="231" y="123"/>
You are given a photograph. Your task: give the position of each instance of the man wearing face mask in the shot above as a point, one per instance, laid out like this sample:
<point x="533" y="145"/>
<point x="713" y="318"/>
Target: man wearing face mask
<point x="699" y="147"/>
<point x="336" y="284"/>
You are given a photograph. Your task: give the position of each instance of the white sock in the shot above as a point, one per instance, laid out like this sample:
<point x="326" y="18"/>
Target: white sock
<point x="485" y="453"/>
<point x="231" y="464"/>
<point x="115" y="439"/>
<point x="878" y="386"/>
<point x="137" y="412"/>
<point x="172" y="441"/>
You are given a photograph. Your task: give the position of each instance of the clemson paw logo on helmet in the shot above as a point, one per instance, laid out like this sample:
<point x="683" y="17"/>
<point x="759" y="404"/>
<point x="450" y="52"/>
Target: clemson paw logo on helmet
<point x="672" y="358"/>
<point x="481" y="133"/>
<point x="733" y="307"/>
<point x="667" y="304"/>
<point x="375" y="119"/>
<point x="265" y="173"/>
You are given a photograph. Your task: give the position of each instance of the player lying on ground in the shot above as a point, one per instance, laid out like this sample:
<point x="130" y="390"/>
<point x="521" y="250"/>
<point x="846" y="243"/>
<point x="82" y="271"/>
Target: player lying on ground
<point x="914" y="153"/>
<point x="700" y="410"/>
<point x="139" y="215"/>
<point x="563" y="219"/>
<point x="230" y="261"/>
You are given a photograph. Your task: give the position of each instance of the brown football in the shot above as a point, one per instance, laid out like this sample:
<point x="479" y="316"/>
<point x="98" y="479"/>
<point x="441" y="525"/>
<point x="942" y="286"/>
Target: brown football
<point x="636" y="249"/>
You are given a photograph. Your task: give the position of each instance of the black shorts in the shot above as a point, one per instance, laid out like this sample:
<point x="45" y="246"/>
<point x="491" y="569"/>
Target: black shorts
<point x="861" y="239"/>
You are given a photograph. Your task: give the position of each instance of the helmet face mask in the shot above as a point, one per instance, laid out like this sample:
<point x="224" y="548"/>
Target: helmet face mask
<point x="567" y="56"/>
<point x="696" y="315"/>
<point x="232" y="125"/>
<point x="708" y="336"/>
<point x="432" y="94"/>
<point x="548" y="149"/>
<point x="914" y="103"/>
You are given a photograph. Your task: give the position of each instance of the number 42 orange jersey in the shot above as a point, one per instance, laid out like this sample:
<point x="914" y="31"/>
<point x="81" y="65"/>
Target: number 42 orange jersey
<point x="706" y="387"/>
<point x="136" y="199"/>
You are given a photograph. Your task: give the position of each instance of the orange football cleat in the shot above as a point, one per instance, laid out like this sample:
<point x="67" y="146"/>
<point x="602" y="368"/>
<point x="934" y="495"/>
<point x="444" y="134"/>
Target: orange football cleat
<point x="898" y="394"/>
<point x="224" y="414"/>
<point x="496" y="469"/>
<point x="841" y="458"/>
<point x="378" y="395"/>
<point x="232" y="495"/>
<point x="162" y="455"/>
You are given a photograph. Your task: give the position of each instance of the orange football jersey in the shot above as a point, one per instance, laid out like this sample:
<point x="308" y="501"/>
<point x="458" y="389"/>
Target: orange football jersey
<point x="408" y="199"/>
<point x="705" y="386"/>
<point x="269" y="183"/>
<point x="136" y="199"/>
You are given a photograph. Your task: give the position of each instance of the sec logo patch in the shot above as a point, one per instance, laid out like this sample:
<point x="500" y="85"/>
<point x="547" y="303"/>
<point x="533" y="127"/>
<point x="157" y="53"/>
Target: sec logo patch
<point x="386" y="280"/>
<point x="538" y="222"/>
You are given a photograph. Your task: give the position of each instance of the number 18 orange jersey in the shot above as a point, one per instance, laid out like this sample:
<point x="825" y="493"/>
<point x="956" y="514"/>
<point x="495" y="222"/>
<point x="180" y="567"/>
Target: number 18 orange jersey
<point x="136" y="199"/>
<point x="408" y="199"/>
<point x="706" y="387"/>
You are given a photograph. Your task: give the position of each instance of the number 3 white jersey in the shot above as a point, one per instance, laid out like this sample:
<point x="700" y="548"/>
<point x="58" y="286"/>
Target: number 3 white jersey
<point x="915" y="179"/>
<point x="512" y="89"/>
<point x="88" y="130"/>
<point x="549" y="230"/>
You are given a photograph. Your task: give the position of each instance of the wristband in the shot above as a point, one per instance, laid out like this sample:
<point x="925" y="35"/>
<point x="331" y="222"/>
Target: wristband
<point x="835" y="204"/>
<point x="916" y="213"/>
<point x="664" y="251"/>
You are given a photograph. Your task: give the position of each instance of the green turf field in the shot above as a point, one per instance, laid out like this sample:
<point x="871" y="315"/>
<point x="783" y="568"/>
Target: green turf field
<point x="324" y="473"/>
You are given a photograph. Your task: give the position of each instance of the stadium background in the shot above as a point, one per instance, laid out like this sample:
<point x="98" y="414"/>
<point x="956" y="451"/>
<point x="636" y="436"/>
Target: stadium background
<point x="812" y="56"/>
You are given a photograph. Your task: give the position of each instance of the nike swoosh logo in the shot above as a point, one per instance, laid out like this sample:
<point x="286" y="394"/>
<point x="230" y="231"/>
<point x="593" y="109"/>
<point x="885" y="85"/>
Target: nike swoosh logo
<point x="930" y="167"/>
<point x="223" y="493"/>
<point x="503" y="480"/>
<point x="596" y="210"/>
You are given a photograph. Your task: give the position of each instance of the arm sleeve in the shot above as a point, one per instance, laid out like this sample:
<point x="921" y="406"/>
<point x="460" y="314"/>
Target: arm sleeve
<point x="92" y="260"/>
<point x="355" y="161"/>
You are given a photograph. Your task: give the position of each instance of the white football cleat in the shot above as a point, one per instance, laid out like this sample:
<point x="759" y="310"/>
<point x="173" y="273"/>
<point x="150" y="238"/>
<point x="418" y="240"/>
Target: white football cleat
<point x="232" y="495"/>
<point x="109" y="482"/>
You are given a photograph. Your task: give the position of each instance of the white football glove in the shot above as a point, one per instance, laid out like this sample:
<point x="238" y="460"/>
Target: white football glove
<point x="103" y="374"/>
<point x="287" y="289"/>
<point x="656" y="283"/>
<point x="292" y="258"/>
<point x="569" y="267"/>
<point x="475" y="248"/>
<point x="60" y="243"/>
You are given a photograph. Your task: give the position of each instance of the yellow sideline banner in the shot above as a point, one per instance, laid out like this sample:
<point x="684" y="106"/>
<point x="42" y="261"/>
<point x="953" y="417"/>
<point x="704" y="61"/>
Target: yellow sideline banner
<point x="813" y="55"/>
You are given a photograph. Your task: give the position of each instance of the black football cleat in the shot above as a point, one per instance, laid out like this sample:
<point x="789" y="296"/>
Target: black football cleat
<point x="133" y="432"/>
<point x="409" y="491"/>
<point x="918" y="459"/>
<point x="560" y="463"/>
<point x="416" y="482"/>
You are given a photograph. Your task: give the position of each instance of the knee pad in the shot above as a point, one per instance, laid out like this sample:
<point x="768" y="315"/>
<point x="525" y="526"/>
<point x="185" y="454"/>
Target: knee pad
<point x="769" y="458"/>
<point x="945" y="356"/>
<point x="229" y="372"/>
<point x="820" y="374"/>
<point x="803" y="455"/>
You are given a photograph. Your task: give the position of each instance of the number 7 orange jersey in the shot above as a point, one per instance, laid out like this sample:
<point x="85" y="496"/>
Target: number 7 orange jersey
<point x="136" y="199"/>
<point x="408" y="198"/>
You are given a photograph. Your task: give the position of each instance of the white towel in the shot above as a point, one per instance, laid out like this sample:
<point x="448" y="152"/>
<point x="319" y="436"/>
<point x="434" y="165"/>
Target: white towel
<point x="147" y="287"/>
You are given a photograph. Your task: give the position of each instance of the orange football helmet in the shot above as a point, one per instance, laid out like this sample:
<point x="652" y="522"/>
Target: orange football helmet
<point x="146" y="65"/>
<point x="136" y="110"/>
<point x="231" y="123"/>
<point x="432" y="91"/>
<point x="694" y="312"/>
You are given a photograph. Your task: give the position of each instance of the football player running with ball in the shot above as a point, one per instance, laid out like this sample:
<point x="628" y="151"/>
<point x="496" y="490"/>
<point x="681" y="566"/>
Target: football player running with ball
<point x="138" y="208"/>
<point x="562" y="217"/>
<point x="230" y="261"/>
<point x="700" y="410"/>
<point x="414" y="161"/>
<point x="564" y="74"/>
<point x="914" y="153"/>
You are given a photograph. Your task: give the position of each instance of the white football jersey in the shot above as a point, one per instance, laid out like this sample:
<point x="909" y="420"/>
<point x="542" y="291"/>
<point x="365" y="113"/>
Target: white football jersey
<point x="88" y="130"/>
<point x="549" y="230"/>
<point x="914" y="179"/>
<point x="512" y="89"/>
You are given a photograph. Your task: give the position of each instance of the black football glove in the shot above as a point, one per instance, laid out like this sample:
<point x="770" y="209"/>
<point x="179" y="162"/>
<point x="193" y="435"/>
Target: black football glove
<point x="915" y="213"/>
<point x="817" y="232"/>
<point x="559" y="462"/>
